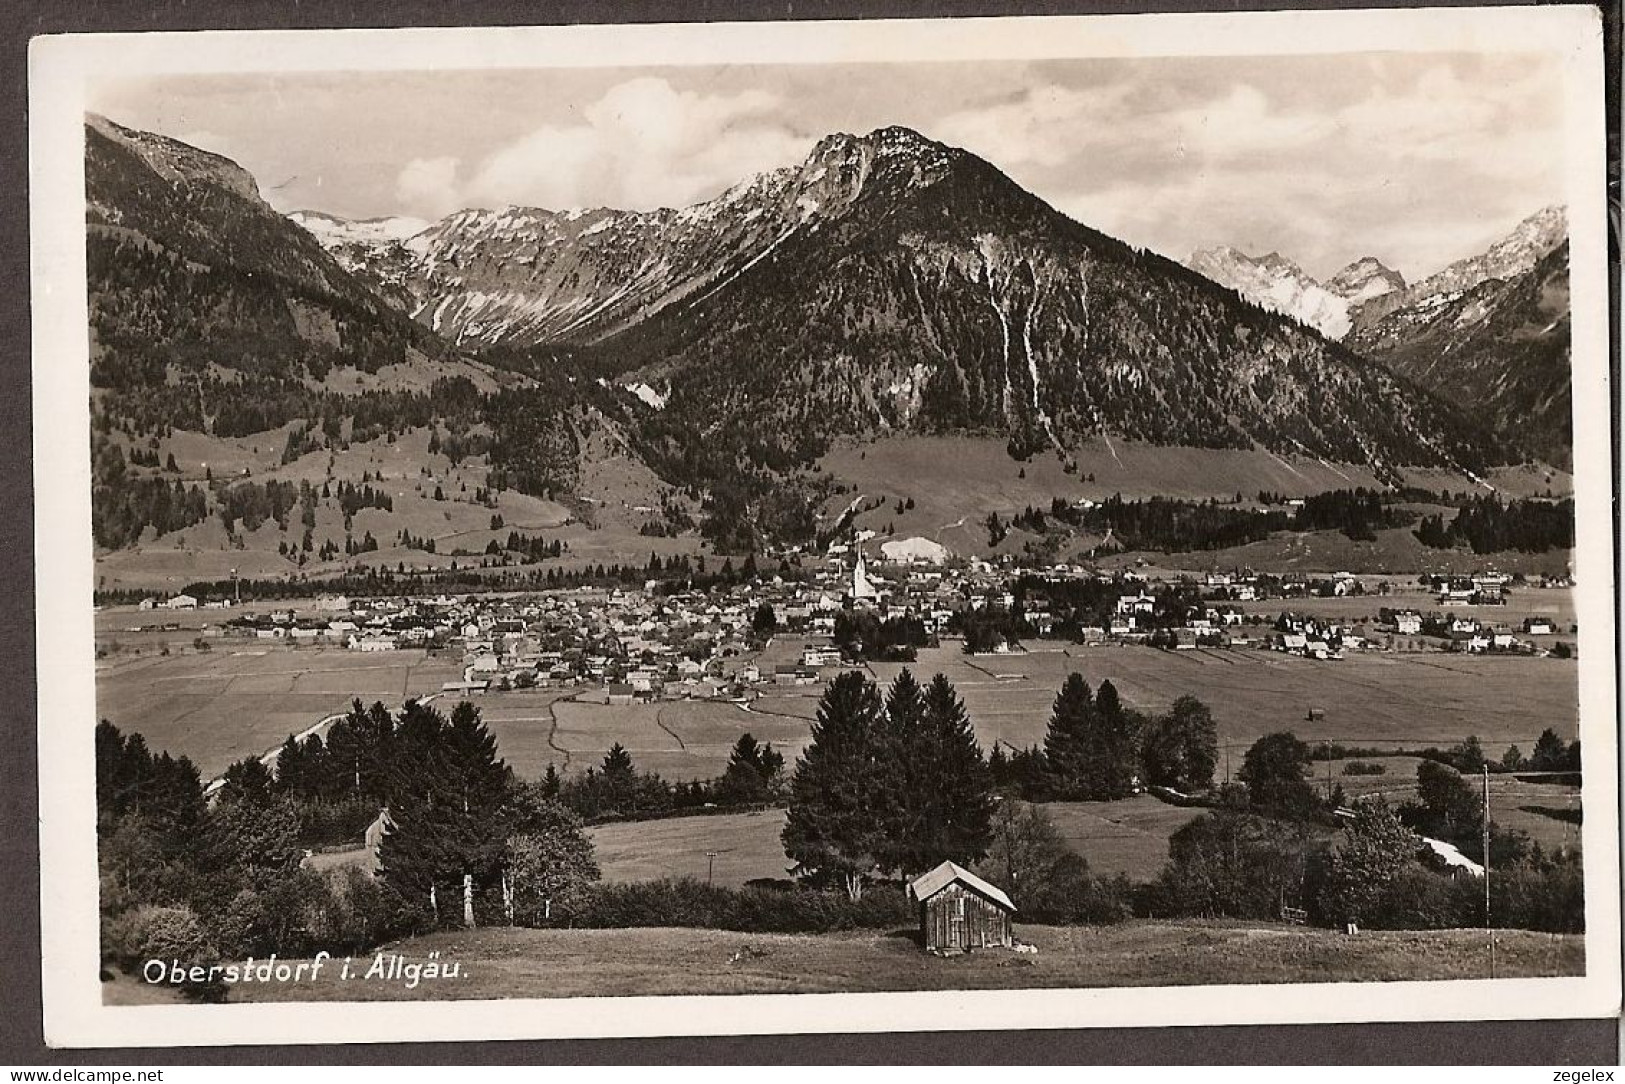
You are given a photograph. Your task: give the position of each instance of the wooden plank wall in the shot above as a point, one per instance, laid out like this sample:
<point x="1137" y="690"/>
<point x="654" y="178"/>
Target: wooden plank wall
<point x="957" y="920"/>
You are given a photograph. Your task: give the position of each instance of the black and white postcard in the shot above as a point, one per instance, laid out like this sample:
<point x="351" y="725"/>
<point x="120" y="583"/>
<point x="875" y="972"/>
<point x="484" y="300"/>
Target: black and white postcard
<point x="886" y="525"/>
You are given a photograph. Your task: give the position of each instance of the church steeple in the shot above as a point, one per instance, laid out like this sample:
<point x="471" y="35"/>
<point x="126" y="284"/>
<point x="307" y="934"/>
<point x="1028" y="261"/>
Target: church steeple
<point x="862" y="587"/>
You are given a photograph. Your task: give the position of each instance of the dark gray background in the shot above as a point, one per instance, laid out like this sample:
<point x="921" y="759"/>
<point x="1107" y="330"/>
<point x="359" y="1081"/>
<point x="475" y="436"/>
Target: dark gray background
<point x="1562" y="1042"/>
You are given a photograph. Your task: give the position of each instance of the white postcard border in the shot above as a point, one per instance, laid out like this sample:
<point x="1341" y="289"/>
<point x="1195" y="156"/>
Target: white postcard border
<point x="63" y="66"/>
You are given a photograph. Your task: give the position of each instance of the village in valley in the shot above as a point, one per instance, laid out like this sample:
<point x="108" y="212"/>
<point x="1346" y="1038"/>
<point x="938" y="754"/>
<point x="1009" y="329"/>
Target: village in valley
<point x="659" y="641"/>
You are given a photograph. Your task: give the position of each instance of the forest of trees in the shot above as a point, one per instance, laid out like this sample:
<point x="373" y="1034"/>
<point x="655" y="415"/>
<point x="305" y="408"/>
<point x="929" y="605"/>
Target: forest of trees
<point x="1172" y="524"/>
<point x="1097" y="748"/>
<point x="863" y="636"/>
<point x="1489" y="525"/>
<point x="123" y="504"/>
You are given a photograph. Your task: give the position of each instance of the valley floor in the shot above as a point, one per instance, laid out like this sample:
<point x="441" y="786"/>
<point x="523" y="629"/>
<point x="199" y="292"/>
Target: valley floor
<point x="518" y="963"/>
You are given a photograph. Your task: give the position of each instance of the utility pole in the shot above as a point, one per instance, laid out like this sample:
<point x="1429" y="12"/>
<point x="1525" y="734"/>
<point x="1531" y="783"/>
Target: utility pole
<point x="710" y="864"/>
<point x="1488" y="928"/>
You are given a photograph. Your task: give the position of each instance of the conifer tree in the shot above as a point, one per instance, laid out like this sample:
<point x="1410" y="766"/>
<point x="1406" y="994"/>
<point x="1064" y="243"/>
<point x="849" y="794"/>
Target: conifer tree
<point x="1111" y="753"/>
<point x="291" y="767"/>
<point x="1071" y="727"/>
<point x="905" y="765"/>
<point x="753" y="773"/>
<point x="834" y="826"/>
<point x="955" y="783"/>
<point x="447" y="807"/>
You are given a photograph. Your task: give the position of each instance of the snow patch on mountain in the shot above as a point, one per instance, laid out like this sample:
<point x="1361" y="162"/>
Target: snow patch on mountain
<point x="1363" y="280"/>
<point x="1278" y="284"/>
<point x="648" y="395"/>
<point x="331" y="230"/>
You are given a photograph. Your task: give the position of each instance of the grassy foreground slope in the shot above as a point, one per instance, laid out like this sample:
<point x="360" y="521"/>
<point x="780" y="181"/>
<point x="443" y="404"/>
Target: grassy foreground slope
<point x="505" y="962"/>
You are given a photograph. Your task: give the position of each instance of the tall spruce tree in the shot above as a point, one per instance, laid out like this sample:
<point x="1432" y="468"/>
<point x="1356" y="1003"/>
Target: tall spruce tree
<point x="448" y="811"/>
<point x="753" y="773"/>
<point x="1112" y="755"/>
<point x="1071" y="728"/>
<point x="956" y="783"/>
<point x="835" y="826"/>
<point x="905" y="756"/>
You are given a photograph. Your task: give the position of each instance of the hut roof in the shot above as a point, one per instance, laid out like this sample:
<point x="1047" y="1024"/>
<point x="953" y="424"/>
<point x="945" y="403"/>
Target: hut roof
<point x="929" y="884"/>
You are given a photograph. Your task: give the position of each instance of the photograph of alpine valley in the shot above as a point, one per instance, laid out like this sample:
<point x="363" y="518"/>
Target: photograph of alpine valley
<point x="776" y="529"/>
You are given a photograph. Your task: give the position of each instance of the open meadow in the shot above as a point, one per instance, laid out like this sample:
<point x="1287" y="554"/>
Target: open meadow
<point x="1129" y="836"/>
<point x="1555" y="604"/>
<point x="1367" y="698"/>
<point x="955" y="482"/>
<point x="243" y="698"/>
<point x="506" y="962"/>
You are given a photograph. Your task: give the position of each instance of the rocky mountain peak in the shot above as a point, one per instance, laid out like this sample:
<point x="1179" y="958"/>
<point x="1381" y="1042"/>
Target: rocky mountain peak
<point x="1364" y="279"/>
<point x="180" y="164"/>
<point x="1514" y="254"/>
<point x="1276" y="283"/>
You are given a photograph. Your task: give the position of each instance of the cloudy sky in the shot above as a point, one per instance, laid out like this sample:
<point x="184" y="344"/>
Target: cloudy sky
<point x="1417" y="159"/>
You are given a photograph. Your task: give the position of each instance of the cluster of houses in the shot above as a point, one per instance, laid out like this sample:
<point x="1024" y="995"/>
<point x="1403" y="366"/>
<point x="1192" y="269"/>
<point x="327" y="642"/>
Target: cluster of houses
<point x="659" y="642"/>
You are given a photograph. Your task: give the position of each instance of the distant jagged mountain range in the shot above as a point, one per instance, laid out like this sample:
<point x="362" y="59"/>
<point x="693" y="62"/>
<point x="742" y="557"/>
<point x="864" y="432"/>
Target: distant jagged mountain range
<point x="892" y="283"/>
<point x="1489" y="333"/>
<point x="1500" y="348"/>
<point x="889" y="284"/>
<point x="1280" y="285"/>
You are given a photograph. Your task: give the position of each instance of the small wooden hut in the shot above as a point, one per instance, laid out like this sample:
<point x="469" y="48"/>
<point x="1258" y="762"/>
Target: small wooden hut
<point x="959" y="911"/>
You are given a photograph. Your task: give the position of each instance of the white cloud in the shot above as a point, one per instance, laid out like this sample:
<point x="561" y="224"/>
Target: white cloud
<point x="1417" y="166"/>
<point x="643" y="144"/>
<point x="428" y="186"/>
<point x="1041" y="127"/>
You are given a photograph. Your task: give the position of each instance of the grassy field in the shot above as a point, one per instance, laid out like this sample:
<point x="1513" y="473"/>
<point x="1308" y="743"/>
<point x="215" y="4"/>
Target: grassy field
<point x="1128" y="837"/>
<point x="246" y="696"/>
<point x="955" y="482"/>
<point x="616" y="499"/>
<point x="1537" y="808"/>
<point x="1411" y="699"/>
<point x="681" y="740"/>
<point x="746" y="844"/>
<point x="1557" y="604"/>
<point x="242" y="699"/>
<point x="504" y="963"/>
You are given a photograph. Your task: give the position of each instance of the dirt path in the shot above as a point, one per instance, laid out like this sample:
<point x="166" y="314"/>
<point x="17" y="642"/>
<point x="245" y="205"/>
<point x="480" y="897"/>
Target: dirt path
<point x="553" y="729"/>
<point x="747" y="709"/>
<point x="1000" y="679"/>
<point x="661" y="723"/>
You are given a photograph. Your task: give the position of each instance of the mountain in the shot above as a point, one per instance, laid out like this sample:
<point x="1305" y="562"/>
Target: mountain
<point x="524" y="276"/>
<point x="228" y="344"/>
<point x="1489" y="333"/>
<point x="1277" y="284"/>
<point x="189" y="267"/>
<point x="1516" y="253"/>
<point x="366" y="247"/>
<point x="890" y="283"/>
<point x="1500" y="349"/>
<point x="1364" y="280"/>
